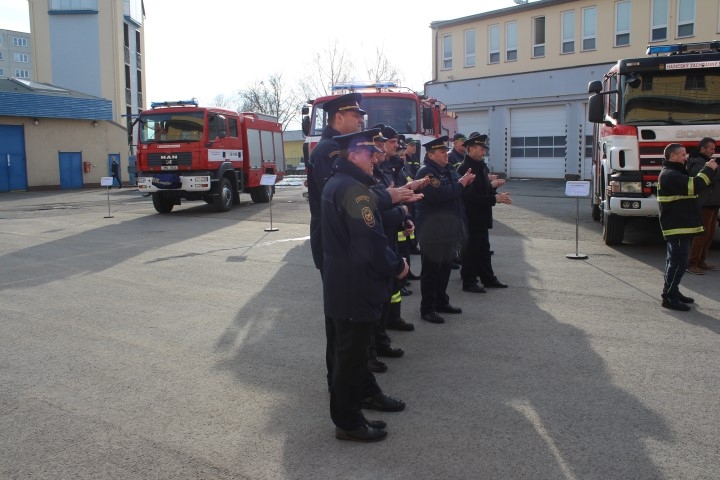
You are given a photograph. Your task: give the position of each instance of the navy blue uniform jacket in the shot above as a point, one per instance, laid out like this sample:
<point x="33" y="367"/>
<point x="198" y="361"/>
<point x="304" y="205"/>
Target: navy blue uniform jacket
<point x="479" y="196"/>
<point x="439" y="216"/>
<point x="358" y="264"/>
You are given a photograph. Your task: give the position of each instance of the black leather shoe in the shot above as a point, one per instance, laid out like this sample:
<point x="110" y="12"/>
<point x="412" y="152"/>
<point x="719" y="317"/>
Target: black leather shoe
<point x="492" y="252"/>
<point x="412" y="276"/>
<point x="400" y="325"/>
<point x="474" y="288"/>
<point x="675" y="305"/>
<point x="495" y="284"/>
<point x="390" y="352"/>
<point x="379" y="424"/>
<point x="685" y="299"/>
<point x="407" y="282"/>
<point x="361" y="434"/>
<point x="404" y="292"/>
<point x="383" y="402"/>
<point x="455" y="266"/>
<point x="432" y="317"/>
<point x="377" y="366"/>
<point x="449" y="309"/>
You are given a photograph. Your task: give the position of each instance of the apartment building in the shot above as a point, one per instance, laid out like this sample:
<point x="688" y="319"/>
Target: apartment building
<point x="15" y="55"/>
<point x="65" y="128"/>
<point x="521" y="73"/>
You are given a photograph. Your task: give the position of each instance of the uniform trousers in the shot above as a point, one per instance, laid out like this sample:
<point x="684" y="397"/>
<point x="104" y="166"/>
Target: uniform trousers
<point x="678" y="248"/>
<point x="352" y="381"/>
<point x="436" y="261"/>
<point x="476" y="259"/>
<point x="701" y="244"/>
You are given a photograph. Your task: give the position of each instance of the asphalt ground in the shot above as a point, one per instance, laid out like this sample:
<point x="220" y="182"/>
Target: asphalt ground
<point x="191" y="345"/>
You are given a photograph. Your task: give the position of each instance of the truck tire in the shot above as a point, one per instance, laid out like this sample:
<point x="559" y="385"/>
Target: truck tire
<point x="162" y="203"/>
<point x="224" y="198"/>
<point x="261" y="194"/>
<point x="613" y="229"/>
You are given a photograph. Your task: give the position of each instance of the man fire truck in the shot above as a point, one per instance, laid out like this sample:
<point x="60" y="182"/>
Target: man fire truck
<point x="642" y="105"/>
<point x="410" y="114"/>
<point x="196" y="153"/>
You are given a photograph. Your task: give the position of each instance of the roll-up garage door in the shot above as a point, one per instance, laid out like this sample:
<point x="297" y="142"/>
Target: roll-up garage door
<point x="469" y="122"/>
<point x="538" y="141"/>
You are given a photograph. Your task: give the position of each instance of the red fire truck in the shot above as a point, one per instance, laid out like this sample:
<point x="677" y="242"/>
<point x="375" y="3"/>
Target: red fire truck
<point x="188" y="152"/>
<point x="410" y="114"/>
<point x="642" y="105"/>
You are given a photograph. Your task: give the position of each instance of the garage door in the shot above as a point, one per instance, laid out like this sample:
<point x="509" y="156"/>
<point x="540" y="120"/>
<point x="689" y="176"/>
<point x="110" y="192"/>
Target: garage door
<point x="538" y="141"/>
<point x="469" y="122"/>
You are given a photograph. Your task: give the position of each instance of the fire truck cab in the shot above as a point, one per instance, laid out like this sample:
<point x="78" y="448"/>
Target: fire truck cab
<point x="641" y="106"/>
<point x="188" y="152"/>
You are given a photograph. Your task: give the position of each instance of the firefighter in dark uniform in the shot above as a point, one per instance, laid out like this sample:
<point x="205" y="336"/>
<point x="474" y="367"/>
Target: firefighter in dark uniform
<point x="457" y="154"/>
<point x="440" y="228"/>
<point x="680" y="218"/>
<point x="412" y="162"/>
<point x="479" y="199"/>
<point x="358" y="269"/>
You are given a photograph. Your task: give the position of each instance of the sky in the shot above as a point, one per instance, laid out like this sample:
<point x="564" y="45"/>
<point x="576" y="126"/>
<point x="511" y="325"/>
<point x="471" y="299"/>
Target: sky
<point x="227" y="45"/>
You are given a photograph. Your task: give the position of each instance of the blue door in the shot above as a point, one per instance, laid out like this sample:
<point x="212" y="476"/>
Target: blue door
<point x="13" y="171"/>
<point x="71" y="175"/>
<point x="115" y="157"/>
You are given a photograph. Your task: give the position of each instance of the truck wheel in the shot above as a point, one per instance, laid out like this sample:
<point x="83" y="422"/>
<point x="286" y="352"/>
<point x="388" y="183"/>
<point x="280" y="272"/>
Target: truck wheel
<point x="261" y="194"/>
<point x="162" y="203"/>
<point x="223" y="201"/>
<point x="613" y="229"/>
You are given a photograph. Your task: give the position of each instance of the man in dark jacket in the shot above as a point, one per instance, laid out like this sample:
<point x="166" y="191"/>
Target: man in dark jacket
<point x="358" y="268"/>
<point x="440" y="225"/>
<point x="709" y="200"/>
<point x="457" y="154"/>
<point x="680" y="219"/>
<point x="479" y="199"/>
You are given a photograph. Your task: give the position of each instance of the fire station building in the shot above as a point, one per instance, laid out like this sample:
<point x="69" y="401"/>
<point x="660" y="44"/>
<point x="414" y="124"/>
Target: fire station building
<point x="521" y="73"/>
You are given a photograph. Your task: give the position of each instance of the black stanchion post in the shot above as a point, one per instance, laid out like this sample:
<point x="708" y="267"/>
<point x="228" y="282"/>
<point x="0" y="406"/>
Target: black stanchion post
<point x="107" y="183"/>
<point x="269" y="180"/>
<point x="577" y="189"/>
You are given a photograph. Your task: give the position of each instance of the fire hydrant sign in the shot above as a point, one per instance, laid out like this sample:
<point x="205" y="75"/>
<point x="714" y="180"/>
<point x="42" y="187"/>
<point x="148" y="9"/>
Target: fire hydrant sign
<point x="106" y="181"/>
<point x="577" y="189"/>
<point x="268" y="179"/>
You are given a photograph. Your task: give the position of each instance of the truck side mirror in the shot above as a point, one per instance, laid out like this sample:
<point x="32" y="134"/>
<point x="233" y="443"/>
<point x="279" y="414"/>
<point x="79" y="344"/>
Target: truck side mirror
<point x="596" y="108"/>
<point x="306" y="125"/>
<point x="427" y="118"/>
<point x="305" y="110"/>
<point x="595" y="86"/>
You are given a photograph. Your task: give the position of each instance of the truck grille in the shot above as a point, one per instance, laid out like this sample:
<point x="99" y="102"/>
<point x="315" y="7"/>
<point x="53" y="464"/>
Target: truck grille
<point x="180" y="159"/>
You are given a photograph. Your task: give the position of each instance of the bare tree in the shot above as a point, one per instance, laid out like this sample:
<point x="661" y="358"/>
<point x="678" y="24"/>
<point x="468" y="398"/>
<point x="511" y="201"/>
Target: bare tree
<point x="271" y="97"/>
<point x="330" y="67"/>
<point x="379" y="69"/>
<point x="231" y="102"/>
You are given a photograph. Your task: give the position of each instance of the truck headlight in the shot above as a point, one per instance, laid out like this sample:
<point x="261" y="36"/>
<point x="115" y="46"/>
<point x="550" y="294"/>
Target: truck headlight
<point x="625" y="187"/>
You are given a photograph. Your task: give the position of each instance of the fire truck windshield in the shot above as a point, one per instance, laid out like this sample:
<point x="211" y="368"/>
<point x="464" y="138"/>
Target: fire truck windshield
<point x="171" y="127"/>
<point x="401" y="113"/>
<point x="670" y="97"/>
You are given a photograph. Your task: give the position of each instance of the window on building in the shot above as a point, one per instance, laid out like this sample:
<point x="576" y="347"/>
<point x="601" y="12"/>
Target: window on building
<point x="538" y="147"/>
<point x="622" y="23"/>
<point x="494" y="44"/>
<point x="568" y="31"/>
<point x="22" y="73"/>
<point x="22" y="58"/>
<point x="20" y="42"/>
<point x="686" y="18"/>
<point x="470" y="48"/>
<point x="1" y="56"/>
<point x="447" y="52"/>
<point x="658" y="31"/>
<point x="511" y="42"/>
<point x="588" y="145"/>
<point x="2" y="72"/>
<point x="589" y="28"/>
<point x="73" y="5"/>
<point x="538" y="35"/>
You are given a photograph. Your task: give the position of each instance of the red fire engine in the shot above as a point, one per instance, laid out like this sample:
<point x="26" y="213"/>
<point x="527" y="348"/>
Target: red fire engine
<point x="212" y="154"/>
<point x="641" y="106"/>
<point x="410" y="114"/>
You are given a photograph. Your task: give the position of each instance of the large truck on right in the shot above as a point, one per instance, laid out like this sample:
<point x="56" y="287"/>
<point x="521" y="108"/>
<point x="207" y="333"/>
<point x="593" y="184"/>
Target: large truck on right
<point x="640" y="106"/>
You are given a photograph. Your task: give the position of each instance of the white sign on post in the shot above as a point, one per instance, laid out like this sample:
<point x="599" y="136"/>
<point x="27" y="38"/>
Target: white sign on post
<point x="106" y="181"/>
<point x="577" y="189"/>
<point x="268" y="179"/>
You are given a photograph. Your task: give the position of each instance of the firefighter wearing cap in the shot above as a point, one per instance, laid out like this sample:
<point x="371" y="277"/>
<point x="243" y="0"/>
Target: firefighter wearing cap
<point x="479" y="199"/>
<point x="358" y="268"/>
<point x="457" y="154"/>
<point x="440" y="228"/>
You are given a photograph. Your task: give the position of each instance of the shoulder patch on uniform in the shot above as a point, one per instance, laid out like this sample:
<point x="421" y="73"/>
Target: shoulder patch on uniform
<point x="368" y="216"/>
<point x="362" y="198"/>
<point x="435" y="182"/>
<point x="334" y="153"/>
